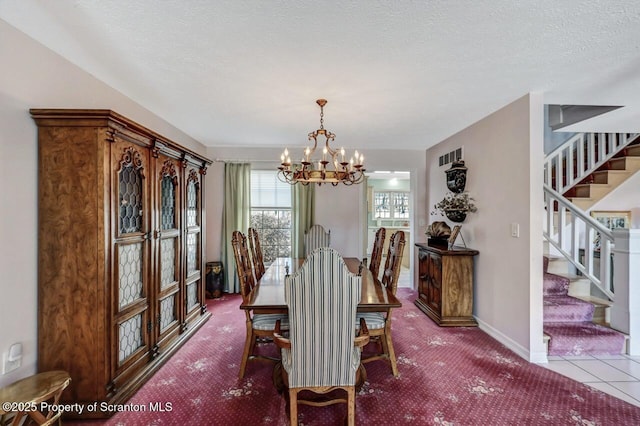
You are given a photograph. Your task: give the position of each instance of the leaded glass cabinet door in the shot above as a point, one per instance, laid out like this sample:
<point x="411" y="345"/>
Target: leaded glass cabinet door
<point x="194" y="294"/>
<point x="131" y="250"/>
<point x="167" y="236"/>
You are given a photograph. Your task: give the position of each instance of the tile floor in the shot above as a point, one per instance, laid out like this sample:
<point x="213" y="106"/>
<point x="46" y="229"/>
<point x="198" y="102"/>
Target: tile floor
<point x="617" y="375"/>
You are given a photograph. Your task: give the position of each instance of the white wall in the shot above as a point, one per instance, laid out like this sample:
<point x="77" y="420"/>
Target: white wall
<point x="32" y="76"/>
<point x="503" y="153"/>
<point x="625" y="197"/>
<point x="340" y="210"/>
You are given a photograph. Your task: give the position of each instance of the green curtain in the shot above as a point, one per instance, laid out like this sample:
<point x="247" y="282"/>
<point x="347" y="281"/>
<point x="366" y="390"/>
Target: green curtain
<point x="236" y="216"/>
<point x="303" y="199"/>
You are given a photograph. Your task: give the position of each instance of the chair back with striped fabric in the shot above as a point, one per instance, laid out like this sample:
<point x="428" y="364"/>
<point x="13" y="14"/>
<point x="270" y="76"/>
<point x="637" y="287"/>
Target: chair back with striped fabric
<point x="316" y="237"/>
<point x="256" y="253"/>
<point x="376" y="252"/>
<point x="322" y="297"/>
<point x="394" y="261"/>
<point x="243" y="263"/>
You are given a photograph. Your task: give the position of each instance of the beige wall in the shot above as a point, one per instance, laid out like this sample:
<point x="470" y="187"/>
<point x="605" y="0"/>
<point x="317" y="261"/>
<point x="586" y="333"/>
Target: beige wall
<point x="503" y="153"/>
<point x="32" y="76"/>
<point x="508" y="269"/>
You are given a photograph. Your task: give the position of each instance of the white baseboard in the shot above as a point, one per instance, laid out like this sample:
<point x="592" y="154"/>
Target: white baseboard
<point x="534" y="357"/>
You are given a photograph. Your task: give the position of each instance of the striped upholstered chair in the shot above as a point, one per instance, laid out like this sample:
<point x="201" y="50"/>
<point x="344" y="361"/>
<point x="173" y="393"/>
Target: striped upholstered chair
<point x="322" y="353"/>
<point x="316" y="237"/>
<point x="376" y="252"/>
<point x="257" y="325"/>
<point x="378" y="323"/>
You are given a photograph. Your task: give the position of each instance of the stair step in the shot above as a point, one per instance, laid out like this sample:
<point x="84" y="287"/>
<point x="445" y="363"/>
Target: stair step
<point x="582" y="203"/>
<point x="591" y="190"/>
<point x="580" y="287"/>
<point x="585" y="338"/>
<point x="601" y="313"/>
<point x="601" y="316"/>
<point x="632" y="150"/>
<point x="557" y="264"/>
<point x="624" y="163"/>
<point x="566" y="309"/>
<point x="569" y="275"/>
<point x="596" y="301"/>
<point x="611" y="177"/>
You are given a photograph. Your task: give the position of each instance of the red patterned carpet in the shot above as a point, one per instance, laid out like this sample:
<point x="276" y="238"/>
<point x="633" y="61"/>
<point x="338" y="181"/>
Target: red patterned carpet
<point x="448" y="376"/>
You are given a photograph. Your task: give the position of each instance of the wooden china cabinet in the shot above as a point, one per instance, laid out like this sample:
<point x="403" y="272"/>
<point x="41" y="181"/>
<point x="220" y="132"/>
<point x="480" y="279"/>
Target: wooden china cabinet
<point x="445" y="286"/>
<point x="120" y="251"/>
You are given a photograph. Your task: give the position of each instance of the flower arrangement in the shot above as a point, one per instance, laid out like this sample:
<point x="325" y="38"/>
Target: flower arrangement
<point x="455" y="201"/>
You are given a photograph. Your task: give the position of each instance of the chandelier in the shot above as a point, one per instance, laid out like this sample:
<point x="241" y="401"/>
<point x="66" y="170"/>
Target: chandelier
<point x="331" y="168"/>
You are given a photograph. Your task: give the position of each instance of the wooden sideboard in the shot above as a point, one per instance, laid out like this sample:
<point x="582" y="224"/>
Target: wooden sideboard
<point x="445" y="287"/>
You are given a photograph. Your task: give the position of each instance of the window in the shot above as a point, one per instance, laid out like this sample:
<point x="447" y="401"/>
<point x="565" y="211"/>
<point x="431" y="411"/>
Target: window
<point x="391" y="205"/>
<point x="271" y="214"/>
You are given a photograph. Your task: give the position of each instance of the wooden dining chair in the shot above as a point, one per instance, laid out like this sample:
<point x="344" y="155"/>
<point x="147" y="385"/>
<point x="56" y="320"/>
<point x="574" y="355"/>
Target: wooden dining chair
<point x="256" y="253"/>
<point x="379" y="323"/>
<point x="258" y="326"/>
<point x="316" y="237"/>
<point x="393" y="263"/>
<point x="376" y="252"/>
<point x="322" y="353"/>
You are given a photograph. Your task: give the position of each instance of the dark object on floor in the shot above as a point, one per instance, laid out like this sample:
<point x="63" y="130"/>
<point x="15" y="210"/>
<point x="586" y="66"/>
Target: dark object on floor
<point x="215" y="280"/>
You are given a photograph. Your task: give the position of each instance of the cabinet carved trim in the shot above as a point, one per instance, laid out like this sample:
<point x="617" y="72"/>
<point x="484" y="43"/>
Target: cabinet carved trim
<point x="115" y="300"/>
<point x="131" y="158"/>
<point x="168" y="169"/>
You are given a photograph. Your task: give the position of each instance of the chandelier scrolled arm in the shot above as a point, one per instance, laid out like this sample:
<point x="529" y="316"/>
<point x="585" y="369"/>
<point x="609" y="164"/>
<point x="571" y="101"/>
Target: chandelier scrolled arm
<point x="332" y="168"/>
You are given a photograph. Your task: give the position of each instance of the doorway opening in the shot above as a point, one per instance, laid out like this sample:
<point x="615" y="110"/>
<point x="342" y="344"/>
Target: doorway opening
<point x="390" y="205"/>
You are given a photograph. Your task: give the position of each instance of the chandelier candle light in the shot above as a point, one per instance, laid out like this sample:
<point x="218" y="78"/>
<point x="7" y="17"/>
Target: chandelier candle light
<point x="332" y="168"/>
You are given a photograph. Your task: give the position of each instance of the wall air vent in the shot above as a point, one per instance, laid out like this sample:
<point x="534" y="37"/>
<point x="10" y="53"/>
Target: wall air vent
<point x="450" y="157"/>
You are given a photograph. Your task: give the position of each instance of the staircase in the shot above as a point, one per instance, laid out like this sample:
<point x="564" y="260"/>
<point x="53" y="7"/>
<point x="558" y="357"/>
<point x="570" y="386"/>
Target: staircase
<point x="569" y="322"/>
<point x="578" y="174"/>
<point x="607" y="177"/>
<point x="573" y="162"/>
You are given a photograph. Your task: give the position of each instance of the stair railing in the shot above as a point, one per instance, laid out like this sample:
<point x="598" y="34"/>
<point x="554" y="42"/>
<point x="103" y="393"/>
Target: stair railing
<point x="570" y="230"/>
<point x="581" y="155"/>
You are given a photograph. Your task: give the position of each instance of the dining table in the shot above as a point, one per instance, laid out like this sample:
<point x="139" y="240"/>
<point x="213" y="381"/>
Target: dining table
<point x="268" y="294"/>
<point x="268" y="297"/>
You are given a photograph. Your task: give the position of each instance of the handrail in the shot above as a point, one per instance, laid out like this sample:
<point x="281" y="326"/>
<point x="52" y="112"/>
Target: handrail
<point x="577" y="230"/>
<point x="581" y="155"/>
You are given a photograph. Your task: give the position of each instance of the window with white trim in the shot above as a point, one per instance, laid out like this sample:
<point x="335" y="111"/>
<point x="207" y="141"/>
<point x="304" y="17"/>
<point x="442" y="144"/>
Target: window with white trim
<point x="271" y="214"/>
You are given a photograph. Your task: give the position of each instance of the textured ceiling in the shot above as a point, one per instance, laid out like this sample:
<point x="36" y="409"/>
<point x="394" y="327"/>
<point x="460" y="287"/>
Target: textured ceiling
<point x="399" y="74"/>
